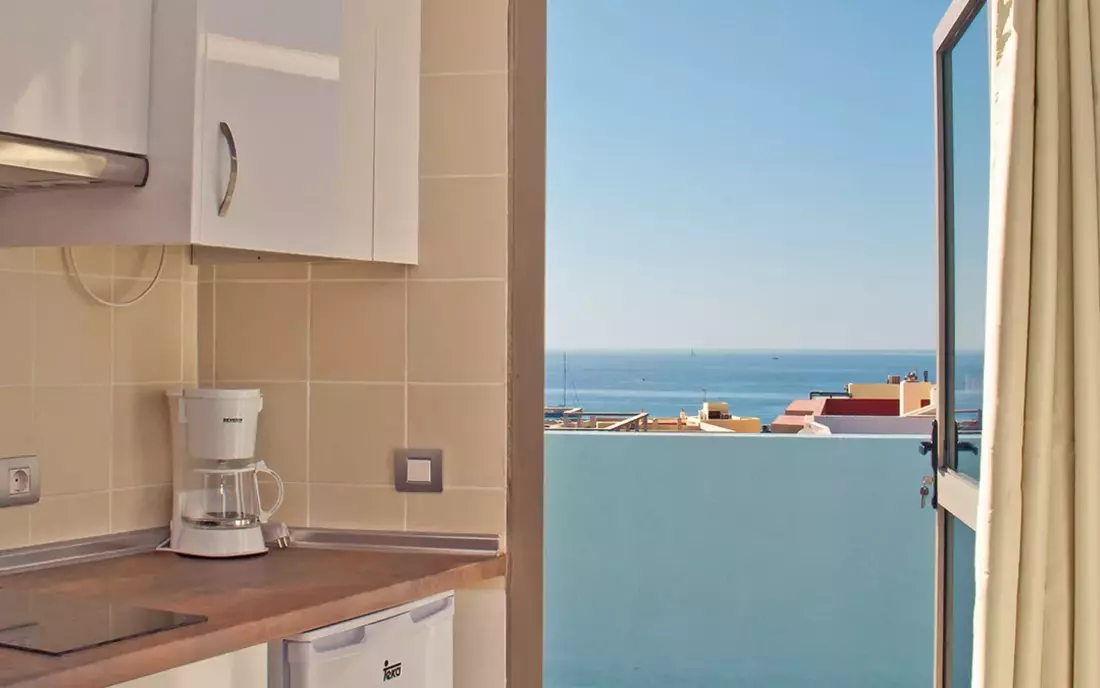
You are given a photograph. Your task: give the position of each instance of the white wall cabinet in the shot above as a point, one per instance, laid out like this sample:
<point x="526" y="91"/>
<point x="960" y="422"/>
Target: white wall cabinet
<point x="242" y="669"/>
<point x="274" y="125"/>
<point x="76" y="72"/>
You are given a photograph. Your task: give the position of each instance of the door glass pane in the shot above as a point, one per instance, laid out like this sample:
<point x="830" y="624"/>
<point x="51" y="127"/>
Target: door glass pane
<point x="969" y="460"/>
<point x="970" y="151"/>
<point x="962" y="603"/>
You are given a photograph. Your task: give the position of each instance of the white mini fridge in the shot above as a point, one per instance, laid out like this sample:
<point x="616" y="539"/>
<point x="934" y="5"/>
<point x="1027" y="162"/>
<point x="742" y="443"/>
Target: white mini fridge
<point x="411" y="646"/>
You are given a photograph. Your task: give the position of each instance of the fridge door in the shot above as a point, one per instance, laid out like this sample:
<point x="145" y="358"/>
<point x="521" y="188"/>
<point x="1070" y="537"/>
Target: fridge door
<point x="411" y="646"/>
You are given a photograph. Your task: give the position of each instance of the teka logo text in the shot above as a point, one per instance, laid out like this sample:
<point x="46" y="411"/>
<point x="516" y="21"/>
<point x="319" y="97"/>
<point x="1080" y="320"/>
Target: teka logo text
<point x="391" y="671"/>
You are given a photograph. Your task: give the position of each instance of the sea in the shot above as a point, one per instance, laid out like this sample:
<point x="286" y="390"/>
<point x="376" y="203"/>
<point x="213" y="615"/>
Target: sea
<point x="756" y="383"/>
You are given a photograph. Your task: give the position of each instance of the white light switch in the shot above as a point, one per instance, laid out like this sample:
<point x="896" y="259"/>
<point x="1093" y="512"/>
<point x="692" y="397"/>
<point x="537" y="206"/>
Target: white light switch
<point x="420" y="471"/>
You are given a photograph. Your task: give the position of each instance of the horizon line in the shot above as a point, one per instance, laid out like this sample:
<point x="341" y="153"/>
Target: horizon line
<point x="686" y="349"/>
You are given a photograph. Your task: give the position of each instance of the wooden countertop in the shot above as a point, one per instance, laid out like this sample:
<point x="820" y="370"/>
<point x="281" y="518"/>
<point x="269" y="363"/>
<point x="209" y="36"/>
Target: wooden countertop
<point x="248" y="602"/>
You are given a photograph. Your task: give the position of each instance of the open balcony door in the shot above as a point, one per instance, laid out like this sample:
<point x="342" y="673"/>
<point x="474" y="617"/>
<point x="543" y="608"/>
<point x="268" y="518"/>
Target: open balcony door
<point x="962" y="58"/>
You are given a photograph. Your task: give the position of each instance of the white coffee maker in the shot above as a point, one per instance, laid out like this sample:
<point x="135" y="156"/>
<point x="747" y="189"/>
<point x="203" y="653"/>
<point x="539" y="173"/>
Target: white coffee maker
<point x="216" y="509"/>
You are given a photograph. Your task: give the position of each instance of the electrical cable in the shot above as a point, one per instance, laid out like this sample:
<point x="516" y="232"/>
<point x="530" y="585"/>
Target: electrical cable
<point x="70" y="258"/>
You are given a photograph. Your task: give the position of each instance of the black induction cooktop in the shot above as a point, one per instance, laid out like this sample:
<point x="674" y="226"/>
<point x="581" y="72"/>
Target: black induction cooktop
<point x="57" y="624"/>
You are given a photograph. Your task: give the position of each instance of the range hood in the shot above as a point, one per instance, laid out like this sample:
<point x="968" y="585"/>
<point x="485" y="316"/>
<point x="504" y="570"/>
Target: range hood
<point x="32" y="163"/>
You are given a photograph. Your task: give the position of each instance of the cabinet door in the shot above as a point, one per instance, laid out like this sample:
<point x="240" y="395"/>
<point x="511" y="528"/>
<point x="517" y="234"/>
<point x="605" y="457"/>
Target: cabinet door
<point x="242" y="669"/>
<point x="397" y="131"/>
<point x="76" y="71"/>
<point x="272" y="93"/>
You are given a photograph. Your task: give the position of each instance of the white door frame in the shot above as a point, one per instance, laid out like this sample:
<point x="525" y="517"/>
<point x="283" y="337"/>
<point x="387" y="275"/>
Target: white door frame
<point x="956" y="495"/>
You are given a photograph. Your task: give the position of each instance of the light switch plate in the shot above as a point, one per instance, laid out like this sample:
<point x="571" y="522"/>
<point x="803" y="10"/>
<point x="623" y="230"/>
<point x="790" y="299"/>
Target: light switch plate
<point x="418" y="470"/>
<point x="20" y="481"/>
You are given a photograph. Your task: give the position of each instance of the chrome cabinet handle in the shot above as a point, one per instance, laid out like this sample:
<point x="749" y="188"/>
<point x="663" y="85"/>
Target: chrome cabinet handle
<point x="227" y="197"/>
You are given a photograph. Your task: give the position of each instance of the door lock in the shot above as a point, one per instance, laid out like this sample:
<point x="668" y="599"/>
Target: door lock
<point x="928" y="484"/>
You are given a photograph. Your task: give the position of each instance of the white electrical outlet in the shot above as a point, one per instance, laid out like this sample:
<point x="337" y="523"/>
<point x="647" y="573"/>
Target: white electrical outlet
<point x="24" y="481"/>
<point x="19" y="481"/>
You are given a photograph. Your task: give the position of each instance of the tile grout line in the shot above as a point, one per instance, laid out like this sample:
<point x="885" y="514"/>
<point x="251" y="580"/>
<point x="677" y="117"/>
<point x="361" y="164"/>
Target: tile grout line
<point x="111" y="402"/>
<point x="143" y="279"/>
<point x="309" y="384"/>
<point x="508" y="360"/>
<point x="88" y="385"/>
<point x="383" y="280"/>
<point x="183" y="319"/>
<point x="476" y="72"/>
<point x="475" y="175"/>
<point x="260" y="280"/>
<point x="36" y="302"/>
<point x="361" y="383"/>
<point x="389" y="486"/>
<point x="462" y="280"/>
<point x="416" y="383"/>
<point x="213" y="325"/>
<point x="405" y="388"/>
<point x="132" y="488"/>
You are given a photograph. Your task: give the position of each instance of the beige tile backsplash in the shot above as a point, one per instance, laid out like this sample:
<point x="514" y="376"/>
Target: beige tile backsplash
<point x="357" y="331"/>
<point x="141" y="507"/>
<point x="457" y="332"/>
<point x="261" y="330"/>
<point x="17" y="434"/>
<point x="82" y="386"/>
<point x="142" y="436"/>
<point x="359" y="359"/>
<point x="466" y="420"/>
<point x="15" y="528"/>
<point x="147" y="345"/>
<point x="356" y="506"/>
<point x="64" y="517"/>
<point x="263" y="271"/>
<point x="464" y="37"/>
<point x="348" y="270"/>
<point x="355" y="360"/>
<point x="464" y="124"/>
<point x="72" y="343"/>
<point x="18" y="259"/>
<point x="354" y="429"/>
<point x="76" y="458"/>
<point x="17" y="314"/>
<point x="463" y="227"/>
<point x="464" y="511"/>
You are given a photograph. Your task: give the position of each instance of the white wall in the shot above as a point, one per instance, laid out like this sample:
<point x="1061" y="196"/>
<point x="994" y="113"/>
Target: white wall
<point x="876" y="425"/>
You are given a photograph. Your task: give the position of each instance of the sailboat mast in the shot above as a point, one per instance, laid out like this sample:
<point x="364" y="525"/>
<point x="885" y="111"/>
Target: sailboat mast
<point x="564" y="377"/>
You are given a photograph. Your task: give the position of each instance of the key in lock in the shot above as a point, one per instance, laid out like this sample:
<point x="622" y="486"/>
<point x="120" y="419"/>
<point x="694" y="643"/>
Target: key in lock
<point x="925" y="489"/>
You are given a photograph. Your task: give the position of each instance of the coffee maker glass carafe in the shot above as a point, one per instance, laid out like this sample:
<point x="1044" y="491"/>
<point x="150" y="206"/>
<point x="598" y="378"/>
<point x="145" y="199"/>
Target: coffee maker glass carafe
<point x="226" y="497"/>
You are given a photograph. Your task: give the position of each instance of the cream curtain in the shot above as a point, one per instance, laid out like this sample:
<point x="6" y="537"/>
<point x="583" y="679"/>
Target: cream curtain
<point x="1037" y="617"/>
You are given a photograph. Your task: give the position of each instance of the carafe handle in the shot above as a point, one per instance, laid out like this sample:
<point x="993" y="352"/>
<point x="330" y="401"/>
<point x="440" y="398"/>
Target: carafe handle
<point x="261" y="467"/>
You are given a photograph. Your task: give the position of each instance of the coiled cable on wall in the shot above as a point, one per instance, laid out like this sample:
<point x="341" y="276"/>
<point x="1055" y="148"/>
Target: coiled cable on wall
<point x="70" y="259"/>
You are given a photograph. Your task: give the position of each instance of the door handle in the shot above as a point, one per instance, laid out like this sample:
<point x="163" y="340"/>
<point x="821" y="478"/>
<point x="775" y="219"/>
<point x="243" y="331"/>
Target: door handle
<point x="231" y="186"/>
<point x="928" y="448"/>
<point x="967" y="447"/>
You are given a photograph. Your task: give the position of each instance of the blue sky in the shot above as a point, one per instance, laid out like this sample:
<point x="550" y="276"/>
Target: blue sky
<point x="747" y="175"/>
